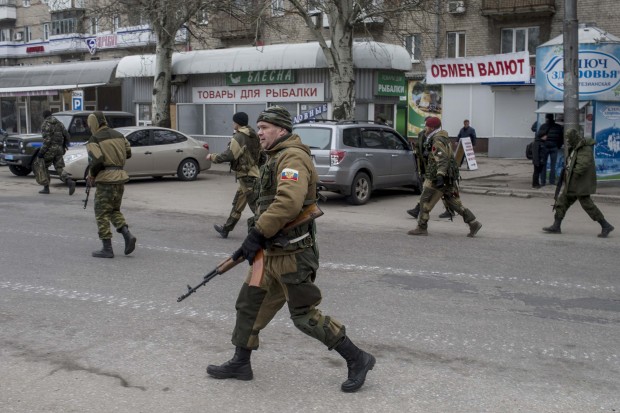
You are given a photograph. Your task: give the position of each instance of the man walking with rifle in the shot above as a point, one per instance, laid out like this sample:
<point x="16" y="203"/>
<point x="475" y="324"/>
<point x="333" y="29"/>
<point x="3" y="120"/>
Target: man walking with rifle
<point x="579" y="183"/>
<point x="107" y="152"/>
<point x="287" y="183"/>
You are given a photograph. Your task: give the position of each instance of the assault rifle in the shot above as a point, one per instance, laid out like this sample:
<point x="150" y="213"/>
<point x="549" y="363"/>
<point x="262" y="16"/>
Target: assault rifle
<point x="87" y="192"/>
<point x="558" y="188"/>
<point x="308" y="214"/>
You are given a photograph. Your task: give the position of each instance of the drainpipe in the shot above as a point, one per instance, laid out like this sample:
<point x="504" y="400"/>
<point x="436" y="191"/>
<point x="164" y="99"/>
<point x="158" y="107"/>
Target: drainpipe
<point x="437" y="27"/>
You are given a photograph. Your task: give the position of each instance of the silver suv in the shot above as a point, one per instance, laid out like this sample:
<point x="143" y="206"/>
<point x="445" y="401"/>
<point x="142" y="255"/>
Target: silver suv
<point x="354" y="158"/>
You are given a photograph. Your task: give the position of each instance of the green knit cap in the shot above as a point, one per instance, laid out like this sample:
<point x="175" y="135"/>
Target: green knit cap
<point x="276" y="115"/>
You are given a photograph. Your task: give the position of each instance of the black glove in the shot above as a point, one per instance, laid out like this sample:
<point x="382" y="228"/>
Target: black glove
<point x="40" y="154"/>
<point x="251" y="245"/>
<point x="438" y="182"/>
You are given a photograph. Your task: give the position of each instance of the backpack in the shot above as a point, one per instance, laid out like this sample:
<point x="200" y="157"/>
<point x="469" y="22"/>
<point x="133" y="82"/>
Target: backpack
<point x="529" y="151"/>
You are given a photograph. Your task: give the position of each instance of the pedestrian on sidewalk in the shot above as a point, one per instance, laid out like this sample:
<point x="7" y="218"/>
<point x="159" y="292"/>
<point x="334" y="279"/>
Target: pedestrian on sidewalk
<point x="244" y="155"/>
<point x="466" y="132"/>
<point x="579" y="184"/>
<point x="288" y="182"/>
<point x="552" y="136"/>
<point x="441" y="180"/>
<point x="538" y="154"/>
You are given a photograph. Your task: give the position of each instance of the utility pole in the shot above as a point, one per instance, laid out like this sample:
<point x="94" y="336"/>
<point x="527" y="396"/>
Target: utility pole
<point x="571" y="71"/>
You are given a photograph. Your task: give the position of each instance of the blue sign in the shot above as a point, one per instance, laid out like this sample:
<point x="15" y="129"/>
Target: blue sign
<point x="77" y="104"/>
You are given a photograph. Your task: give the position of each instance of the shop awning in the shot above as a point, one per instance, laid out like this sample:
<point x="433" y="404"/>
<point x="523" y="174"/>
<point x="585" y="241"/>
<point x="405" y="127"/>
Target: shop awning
<point x="62" y="76"/>
<point x="366" y="55"/>
<point x="558" y="107"/>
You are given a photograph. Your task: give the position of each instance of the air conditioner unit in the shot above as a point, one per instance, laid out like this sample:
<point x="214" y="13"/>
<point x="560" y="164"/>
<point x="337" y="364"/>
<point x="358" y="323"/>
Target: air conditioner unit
<point x="18" y="36"/>
<point x="456" y="7"/>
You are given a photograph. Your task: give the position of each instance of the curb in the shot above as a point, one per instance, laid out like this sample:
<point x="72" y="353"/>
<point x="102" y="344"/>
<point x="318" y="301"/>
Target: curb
<point x="524" y="193"/>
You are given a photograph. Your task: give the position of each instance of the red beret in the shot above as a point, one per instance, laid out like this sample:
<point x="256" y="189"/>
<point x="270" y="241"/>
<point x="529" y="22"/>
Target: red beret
<point x="433" y="122"/>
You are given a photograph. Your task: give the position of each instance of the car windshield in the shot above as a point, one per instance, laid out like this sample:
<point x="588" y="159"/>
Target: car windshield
<point x="65" y="119"/>
<point x="315" y="138"/>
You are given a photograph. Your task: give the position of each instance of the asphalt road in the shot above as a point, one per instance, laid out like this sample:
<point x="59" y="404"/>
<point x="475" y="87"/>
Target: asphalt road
<point x="513" y="320"/>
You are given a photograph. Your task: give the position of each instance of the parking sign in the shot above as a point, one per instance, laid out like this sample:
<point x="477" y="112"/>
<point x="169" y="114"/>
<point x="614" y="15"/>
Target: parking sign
<point x="77" y="100"/>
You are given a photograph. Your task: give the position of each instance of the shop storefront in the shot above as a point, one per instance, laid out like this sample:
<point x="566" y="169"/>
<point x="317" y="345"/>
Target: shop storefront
<point x="26" y="91"/>
<point x="210" y="85"/>
<point x="599" y="92"/>
<point x="494" y="92"/>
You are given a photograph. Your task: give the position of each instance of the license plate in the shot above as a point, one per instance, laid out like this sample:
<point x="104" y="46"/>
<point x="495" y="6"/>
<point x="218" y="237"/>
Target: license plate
<point x="8" y="157"/>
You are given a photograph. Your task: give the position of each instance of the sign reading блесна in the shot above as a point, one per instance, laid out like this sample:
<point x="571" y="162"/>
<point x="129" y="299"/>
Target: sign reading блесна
<point x="259" y="77"/>
<point x="508" y="67"/>
<point x="299" y="92"/>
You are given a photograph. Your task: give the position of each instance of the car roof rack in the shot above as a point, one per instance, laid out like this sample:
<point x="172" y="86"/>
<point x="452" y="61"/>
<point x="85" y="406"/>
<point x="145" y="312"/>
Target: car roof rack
<point x="341" y="122"/>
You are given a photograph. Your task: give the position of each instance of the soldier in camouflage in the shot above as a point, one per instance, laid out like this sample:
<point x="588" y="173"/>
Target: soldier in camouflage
<point x="287" y="183"/>
<point x="244" y="154"/>
<point x="55" y="144"/>
<point x="107" y="152"/>
<point x="441" y="180"/>
<point x="579" y="184"/>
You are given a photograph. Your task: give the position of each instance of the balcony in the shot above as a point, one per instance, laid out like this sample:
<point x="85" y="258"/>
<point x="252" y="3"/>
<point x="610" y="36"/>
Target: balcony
<point x="227" y="26"/>
<point x="508" y="9"/>
<point x="8" y="11"/>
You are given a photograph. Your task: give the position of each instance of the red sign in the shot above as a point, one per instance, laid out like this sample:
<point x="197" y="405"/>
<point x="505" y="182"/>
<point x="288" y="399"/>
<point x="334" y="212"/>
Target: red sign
<point x="35" y="49"/>
<point x="508" y="67"/>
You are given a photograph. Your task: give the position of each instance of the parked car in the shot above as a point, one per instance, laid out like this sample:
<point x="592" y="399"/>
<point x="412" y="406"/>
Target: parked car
<point x="155" y="152"/>
<point x="355" y="158"/>
<point x="20" y="150"/>
<point x="3" y="135"/>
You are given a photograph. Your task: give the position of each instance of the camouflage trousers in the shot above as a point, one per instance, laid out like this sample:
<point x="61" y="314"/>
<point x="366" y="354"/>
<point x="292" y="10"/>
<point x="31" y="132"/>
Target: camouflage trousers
<point x="245" y="195"/>
<point x="287" y="279"/>
<point x="450" y="194"/>
<point x="108" y="198"/>
<point x="565" y="201"/>
<point x="40" y="166"/>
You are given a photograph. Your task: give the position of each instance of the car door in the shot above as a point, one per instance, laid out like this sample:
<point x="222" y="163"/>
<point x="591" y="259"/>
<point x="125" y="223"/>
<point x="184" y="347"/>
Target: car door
<point x="141" y="161"/>
<point x="375" y="150"/>
<point x="169" y="149"/>
<point x="403" y="168"/>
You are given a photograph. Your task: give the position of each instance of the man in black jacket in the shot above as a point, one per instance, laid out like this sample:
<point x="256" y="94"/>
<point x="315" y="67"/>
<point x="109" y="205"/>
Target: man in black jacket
<point x="551" y="135"/>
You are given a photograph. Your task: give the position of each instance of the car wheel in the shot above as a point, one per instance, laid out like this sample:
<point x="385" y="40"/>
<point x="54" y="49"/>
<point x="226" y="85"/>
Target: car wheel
<point x="188" y="170"/>
<point x="19" y="170"/>
<point x="361" y="188"/>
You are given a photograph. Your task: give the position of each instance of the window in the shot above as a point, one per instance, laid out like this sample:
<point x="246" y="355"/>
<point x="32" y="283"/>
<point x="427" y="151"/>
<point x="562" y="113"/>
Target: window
<point x="94" y="25"/>
<point x="315" y="138"/>
<point x="456" y="44"/>
<point x="46" y="31"/>
<point x="351" y="137"/>
<point x="64" y="26"/>
<point x="166" y="137"/>
<point x="412" y="44"/>
<point x="116" y="23"/>
<point x="144" y="114"/>
<point x="26" y="3"/>
<point x="520" y="39"/>
<point x="372" y="139"/>
<point x="27" y="34"/>
<point x="5" y="35"/>
<point x="277" y="7"/>
<point x="393" y="141"/>
<point x="202" y="17"/>
<point x="139" y="138"/>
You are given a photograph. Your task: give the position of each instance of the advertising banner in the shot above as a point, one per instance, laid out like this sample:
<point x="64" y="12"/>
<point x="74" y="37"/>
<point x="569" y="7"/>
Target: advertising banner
<point x="607" y="136"/>
<point x="422" y="100"/>
<point x="499" y="68"/>
<point x="598" y="66"/>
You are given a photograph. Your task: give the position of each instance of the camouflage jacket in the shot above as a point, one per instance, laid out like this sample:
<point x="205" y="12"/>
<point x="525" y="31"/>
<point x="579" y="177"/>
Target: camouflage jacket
<point x="54" y="134"/>
<point x="107" y="152"/>
<point x="580" y="167"/>
<point x="441" y="157"/>
<point x="287" y="183"/>
<point x="243" y="153"/>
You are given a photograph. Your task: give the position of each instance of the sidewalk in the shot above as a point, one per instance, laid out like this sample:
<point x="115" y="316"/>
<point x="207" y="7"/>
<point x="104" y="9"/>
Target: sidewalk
<point x="501" y="177"/>
<point x="513" y="177"/>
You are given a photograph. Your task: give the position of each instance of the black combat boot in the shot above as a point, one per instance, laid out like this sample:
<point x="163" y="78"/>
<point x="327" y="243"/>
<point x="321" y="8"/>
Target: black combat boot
<point x="606" y="228"/>
<point x="71" y="185"/>
<point x="130" y="240"/>
<point x="239" y="367"/>
<point x="359" y="364"/>
<point x="474" y="227"/>
<point x="446" y="214"/>
<point x="415" y="211"/>
<point x="220" y="229"/>
<point x="106" y="251"/>
<point x="45" y="190"/>
<point x="555" y="228"/>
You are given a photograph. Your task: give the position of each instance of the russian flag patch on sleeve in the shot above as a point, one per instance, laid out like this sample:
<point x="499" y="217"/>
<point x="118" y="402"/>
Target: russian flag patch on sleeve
<point x="289" y="174"/>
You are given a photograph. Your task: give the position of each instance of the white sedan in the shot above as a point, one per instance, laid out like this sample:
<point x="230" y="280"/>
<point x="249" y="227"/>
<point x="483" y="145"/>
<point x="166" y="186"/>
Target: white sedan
<point x="155" y="152"/>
